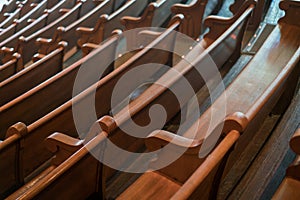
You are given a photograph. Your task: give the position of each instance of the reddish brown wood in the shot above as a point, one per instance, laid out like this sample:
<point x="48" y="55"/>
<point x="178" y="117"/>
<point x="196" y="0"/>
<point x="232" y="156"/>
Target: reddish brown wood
<point x="67" y="32"/>
<point x="61" y="119"/>
<point x="107" y="23"/>
<point x="289" y="188"/>
<point x="26" y="79"/>
<point x="10" y="67"/>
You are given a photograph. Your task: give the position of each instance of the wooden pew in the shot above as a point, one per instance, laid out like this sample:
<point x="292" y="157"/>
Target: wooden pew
<point x="31" y="76"/>
<point x="10" y="67"/>
<point x="289" y="187"/>
<point x="107" y="23"/>
<point x="34" y="13"/>
<point x="24" y="108"/>
<point x="258" y="15"/>
<point x="10" y="17"/>
<point x="155" y="15"/>
<point x="196" y="60"/>
<point x="25" y="7"/>
<point x="64" y="149"/>
<point x="80" y="165"/>
<point x="195" y="13"/>
<point x="37" y="131"/>
<point x="23" y="21"/>
<point x="267" y="86"/>
<point x="68" y="32"/>
<point x="8" y="41"/>
<point x="27" y="46"/>
<point x="9" y="7"/>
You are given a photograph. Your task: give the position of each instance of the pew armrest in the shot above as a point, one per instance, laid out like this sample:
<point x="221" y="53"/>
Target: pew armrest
<point x="218" y="25"/>
<point x="9" y="54"/>
<point x="291" y="9"/>
<point x="92" y="35"/>
<point x="84" y="34"/>
<point x="160" y="138"/>
<point x="193" y="16"/>
<point x="46" y="45"/>
<point x="64" y="10"/>
<point x="88" y="48"/>
<point x="137" y="22"/>
<point x="63" y="146"/>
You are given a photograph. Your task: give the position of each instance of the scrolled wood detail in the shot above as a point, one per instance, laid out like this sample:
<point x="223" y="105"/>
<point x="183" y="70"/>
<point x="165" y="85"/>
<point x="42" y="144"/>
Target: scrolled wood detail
<point x="292" y="12"/>
<point x="193" y="16"/>
<point x="92" y="35"/>
<point x="143" y="21"/>
<point x="63" y="146"/>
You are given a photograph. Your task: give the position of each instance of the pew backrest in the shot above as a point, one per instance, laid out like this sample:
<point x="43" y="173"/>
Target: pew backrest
<point x="68" y="32"/>
<point x="10" y="67"/>
<point x="107" y="23"/>
<point x="61" y="119"/>
<point x="32" y="75"/>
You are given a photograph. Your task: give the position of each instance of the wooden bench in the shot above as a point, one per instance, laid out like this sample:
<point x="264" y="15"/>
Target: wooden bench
<point x="27" y="46"/>
<point x="24" y="108"/>
<point x="69" y="33"/>
<point x="258" y="15"/>
<point x="64" y="146"/>
<point x="151" y="17"/>
<point x="37" y="131"/>
<point x="195" y="61"/>
<point x="31" y="76"/>
<point x="10" y="17"/>
<point x="195" y="13"/>
<point x="289" y="188"/>
<point x="278" y="69"/>
<point x="10" y="67"/>
<point x="11" y="6"/>
<point x="34" y="13"/>
<point x="23" y="21"/>
<point x="107" y="23"/>
<point x="25" y="7"/>
<point x="43" y="18"/>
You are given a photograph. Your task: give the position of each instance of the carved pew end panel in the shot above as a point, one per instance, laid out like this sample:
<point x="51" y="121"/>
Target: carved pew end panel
<point x="292" y="12"/>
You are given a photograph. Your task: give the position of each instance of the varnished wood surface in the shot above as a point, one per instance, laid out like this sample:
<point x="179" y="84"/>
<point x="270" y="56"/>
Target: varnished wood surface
<point x="289" y="189"/>
<point x="268" y="170"/>
<point x="107" y="23"/>
<point x="67" y="32"/>
<point x="39" y="22"/>
<point x="62" y="120"/>
<point x="161" y="187"/>
<point x="95" y="165"/>
<point x="32" y="75"/>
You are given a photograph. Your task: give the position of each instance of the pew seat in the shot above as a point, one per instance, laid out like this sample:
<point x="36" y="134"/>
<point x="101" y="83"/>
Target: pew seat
<point x="61" y="118"/>
<point x="268" y="94"/>
<point x="151" y="185"/>
<point x="61" y="145"/>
